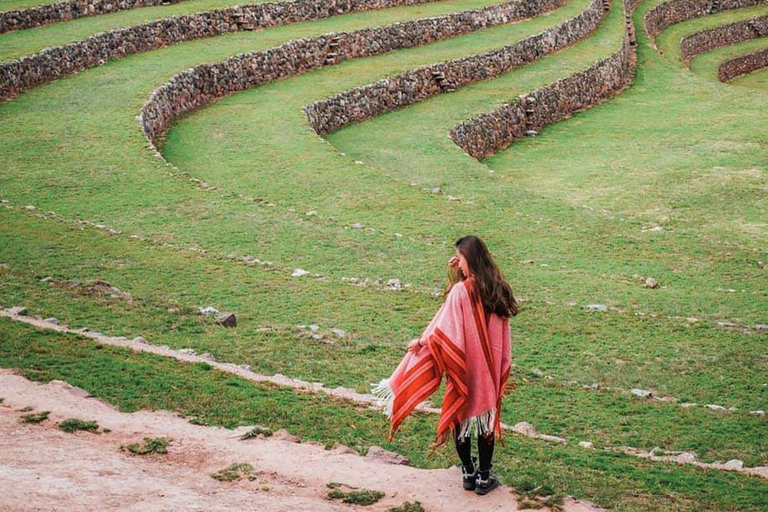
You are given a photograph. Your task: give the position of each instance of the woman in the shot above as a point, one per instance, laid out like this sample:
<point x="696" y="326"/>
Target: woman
<point x="468" y="341"/>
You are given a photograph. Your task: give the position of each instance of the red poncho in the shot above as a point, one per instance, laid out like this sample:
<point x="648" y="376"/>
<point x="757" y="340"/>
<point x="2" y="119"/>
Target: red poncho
<point x="473" y="350"/>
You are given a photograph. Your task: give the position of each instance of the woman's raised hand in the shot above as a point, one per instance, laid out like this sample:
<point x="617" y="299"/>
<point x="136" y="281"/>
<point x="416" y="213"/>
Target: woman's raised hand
<point x="453" y="262"/>
<point x="414" y="346"/>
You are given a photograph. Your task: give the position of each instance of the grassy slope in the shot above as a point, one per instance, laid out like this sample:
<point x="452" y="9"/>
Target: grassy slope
<point x="137" y="381"/>
<point x="15" y="44"/>
<point x="561" y="340"/>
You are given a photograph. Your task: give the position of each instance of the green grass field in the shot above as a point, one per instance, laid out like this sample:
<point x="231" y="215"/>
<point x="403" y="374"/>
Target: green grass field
<point x="678" y="151"/>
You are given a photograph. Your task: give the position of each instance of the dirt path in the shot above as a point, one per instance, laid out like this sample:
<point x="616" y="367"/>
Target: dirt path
<point x="43" y="468"/>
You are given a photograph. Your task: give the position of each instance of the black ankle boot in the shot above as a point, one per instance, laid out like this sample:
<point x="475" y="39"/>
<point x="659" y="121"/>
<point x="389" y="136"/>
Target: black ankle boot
<point x="485" y="482"/>
<point x="469" y="475"/>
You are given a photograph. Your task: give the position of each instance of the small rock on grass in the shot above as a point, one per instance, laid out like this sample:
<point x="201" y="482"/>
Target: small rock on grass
<point x="299" y="272"/>
<point x="597" y="307"/>
<point x="649" y="282"/>
<point x="587" y="445"/>
<point x="339" y="332"/>
<point x="226" y="319"/>
<point x="18" y="310"/>
<point x="524" y="428"/>
<point x="644" y="393"/>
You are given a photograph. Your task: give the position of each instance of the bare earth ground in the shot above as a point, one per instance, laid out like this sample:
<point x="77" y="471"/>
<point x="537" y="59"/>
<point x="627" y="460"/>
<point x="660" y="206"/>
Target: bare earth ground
<point x="43" y="468"/>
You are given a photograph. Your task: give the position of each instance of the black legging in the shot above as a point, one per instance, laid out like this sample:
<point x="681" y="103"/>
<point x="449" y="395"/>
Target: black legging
<point x="485" y="446"/>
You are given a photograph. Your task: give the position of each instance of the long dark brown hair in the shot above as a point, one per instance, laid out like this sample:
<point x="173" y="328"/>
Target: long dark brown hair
<point x="494" y="291"/>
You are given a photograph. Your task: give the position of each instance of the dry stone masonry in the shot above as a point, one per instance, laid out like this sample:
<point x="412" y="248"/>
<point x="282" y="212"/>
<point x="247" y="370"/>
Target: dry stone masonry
<point x="64" y="11"/>
<point x="706" y="40"/>
<point x="738" y="66"/>
<point x="18" y="76"/>
<point x="487" y="134"/>
<point x="396" y="92"/>
<point x="208" y="82"/>
<point x="669" y="13"/>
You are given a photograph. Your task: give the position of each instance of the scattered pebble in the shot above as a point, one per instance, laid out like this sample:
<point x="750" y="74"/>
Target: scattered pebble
<point x="298" y="272"/>
<point x="761" y="328"/>
<point x="398" y="235"/>
<point x="339" y="332"/>
<point x="692" y="319"/>
<point x="207" y="311"/>
<point x="587" y="445"/>
<point x="641" y="392"/>
<point x="650" y="282"/>
<point x="311" y="213"/>
<point x="226" y="319"/>
<point x="758" y="412"/>
<point x="314" y="328"/>
<point x="139" y="339"/>
<point x="734" y="464"/>
<point x="394" y="284"/>
<point x="437" y="190"/>
<point x="597" y="307"/>
<point x="524" y="428"/>
<point x="52" y="320"/>
<point x="715" y="407"/>
<point x="357" y="225"/>
<point x="726" y="324"/>
<point x="686" y="405"/>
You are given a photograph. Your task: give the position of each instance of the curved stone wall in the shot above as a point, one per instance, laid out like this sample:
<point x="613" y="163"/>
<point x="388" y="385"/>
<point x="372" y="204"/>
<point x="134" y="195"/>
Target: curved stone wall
<point x="738" y="66"/>
<point x="17" y="76"/>
<point x="489" y="133"/>
<point x="209" y="82"/>
<point x="63" y="11"/>
<point x="706" y="40"/>
<point x="393" y="93"/>
<point x="676" y="11"/>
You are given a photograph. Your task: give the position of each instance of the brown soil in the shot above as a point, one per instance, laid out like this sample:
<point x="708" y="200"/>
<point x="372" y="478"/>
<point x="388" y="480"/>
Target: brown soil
<point x="43" y="468"/>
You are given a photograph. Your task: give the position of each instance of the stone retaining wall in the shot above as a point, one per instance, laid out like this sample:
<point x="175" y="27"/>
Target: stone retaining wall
<point x="669" y="13"/>
<point x="733" y="68"/>
<point x="209" y="82"/>
<point x="489" y="133"/>
<point x="63" y="11"/>
<point x="725" y="35"/>
<point x="17" y="76"/>
<point x="396" y="92"/>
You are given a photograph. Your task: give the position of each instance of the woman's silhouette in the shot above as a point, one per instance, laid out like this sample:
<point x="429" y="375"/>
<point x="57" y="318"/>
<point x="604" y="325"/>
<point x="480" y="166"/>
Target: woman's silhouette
<point x="468" y="340"/>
